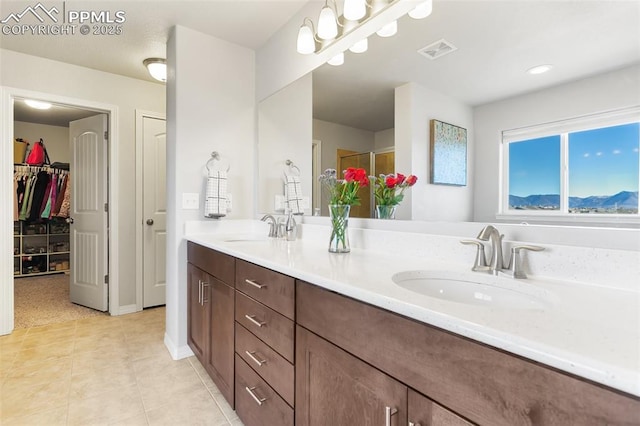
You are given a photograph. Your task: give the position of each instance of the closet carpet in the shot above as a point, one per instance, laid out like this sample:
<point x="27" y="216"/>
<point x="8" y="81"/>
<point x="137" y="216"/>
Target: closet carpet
<point x="45" y="300"/>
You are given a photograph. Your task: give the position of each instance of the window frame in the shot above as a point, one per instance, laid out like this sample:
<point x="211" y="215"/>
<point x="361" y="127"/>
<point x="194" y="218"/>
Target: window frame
<point x="563" y="128"/>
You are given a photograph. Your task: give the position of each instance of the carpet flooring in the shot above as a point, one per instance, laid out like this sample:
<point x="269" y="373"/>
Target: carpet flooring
<point x="45" y="300"/>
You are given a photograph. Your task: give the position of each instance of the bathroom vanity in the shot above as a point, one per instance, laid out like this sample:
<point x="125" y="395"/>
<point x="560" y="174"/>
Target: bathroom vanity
<point x="311" y="347"/>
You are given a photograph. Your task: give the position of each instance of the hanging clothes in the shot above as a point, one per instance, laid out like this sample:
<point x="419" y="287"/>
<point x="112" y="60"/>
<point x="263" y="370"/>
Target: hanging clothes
<point x="38" y="192"/>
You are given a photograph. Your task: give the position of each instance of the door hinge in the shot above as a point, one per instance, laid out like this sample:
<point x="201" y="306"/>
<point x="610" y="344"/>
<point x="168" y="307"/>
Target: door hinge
<point x="106" y="135"/>
<point x="106" y="207"/>
<point x="106" y="279"/>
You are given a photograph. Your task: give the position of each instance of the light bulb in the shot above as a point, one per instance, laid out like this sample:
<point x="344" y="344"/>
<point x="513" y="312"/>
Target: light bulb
<point x="327" y="24"/>
<point x="306" y="44"/>
<point x="360" y="46"/>
<point x="337" y="60"/>
<point x="388" y="30"/>
<point x="422" y="10"/>
<point x="354" y="9"/>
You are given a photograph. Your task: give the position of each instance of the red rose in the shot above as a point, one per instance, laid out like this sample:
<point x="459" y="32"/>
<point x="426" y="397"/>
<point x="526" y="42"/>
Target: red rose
<point x="356" y="174"/>
<point x="390" y="181"/>
<point x="400" y="178"/>
<point x="411" y="180"/>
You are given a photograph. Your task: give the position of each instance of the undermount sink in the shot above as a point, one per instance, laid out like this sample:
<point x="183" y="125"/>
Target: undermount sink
<point x="475" y="288"/>
<point x="243" y="238"/>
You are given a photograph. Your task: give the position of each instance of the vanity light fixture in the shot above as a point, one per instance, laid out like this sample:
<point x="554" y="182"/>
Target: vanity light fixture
<point x="37" y="104"/>
<point x="337" y="60"/>
<point x="422" y="10"/>
<point x="360" y="46"/>
<point x="328" y="21"/>
<point x="388" y="30"/>
<point x="157" y="67"/>
<point x="355" y="10"/>
<point x="539" y="69"/>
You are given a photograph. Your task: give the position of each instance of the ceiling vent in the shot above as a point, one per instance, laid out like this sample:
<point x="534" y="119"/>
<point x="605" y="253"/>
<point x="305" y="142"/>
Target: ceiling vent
<point x="437" y="49"/>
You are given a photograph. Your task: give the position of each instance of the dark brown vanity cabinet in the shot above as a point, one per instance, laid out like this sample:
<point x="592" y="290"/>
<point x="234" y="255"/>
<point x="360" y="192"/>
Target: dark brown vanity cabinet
<point x="265" y="346"/>
<point x="476" y="383"/>
<point x="210" y="314"/>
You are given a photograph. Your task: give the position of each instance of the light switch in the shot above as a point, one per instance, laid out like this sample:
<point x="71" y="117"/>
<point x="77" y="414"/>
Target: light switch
<point x="190" y="200"/>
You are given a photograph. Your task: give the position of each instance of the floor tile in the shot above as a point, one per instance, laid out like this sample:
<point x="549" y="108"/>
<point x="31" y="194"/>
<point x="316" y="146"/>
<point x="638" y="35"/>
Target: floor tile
<point x="139" y="420"/>
<point x="86" y="362"/>
<point x="193" y="408"/>
<point x="20" y="401"/>
<point x="56" y="417"/>
<point x="107" y="379"/>
<point x="106" y="408"/>
<point x="31" y="374"/>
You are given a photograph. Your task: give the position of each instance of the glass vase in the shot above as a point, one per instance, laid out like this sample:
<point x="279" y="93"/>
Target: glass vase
<point x="339" y="241"/>
<point x="386" y="212"/>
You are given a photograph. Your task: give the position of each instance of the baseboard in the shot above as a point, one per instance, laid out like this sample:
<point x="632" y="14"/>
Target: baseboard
<point x="177" y="352"/>
<point x="127" y="309"/>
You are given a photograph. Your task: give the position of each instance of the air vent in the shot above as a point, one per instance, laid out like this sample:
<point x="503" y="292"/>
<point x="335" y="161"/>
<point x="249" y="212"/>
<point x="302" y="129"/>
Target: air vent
<point x="437" y="49"/>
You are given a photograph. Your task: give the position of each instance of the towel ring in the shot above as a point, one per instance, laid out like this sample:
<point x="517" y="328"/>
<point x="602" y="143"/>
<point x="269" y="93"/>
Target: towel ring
<point x="292" y="166"/>
<point x="214" y="157"/>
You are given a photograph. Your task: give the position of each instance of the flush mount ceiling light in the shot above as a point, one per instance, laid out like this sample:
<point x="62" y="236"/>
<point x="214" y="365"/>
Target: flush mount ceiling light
<point x="37" y="104"/>
<point x="539" y="69"/>
<point x="157" y="67"/>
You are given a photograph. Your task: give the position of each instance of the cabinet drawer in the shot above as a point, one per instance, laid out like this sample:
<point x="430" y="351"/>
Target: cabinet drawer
<point x="266" y="286"/>
<point x="272" y="367"/>
<point x="256" y="403"/>
<point x="218" y="264"/>
<point x="272" y="328"/>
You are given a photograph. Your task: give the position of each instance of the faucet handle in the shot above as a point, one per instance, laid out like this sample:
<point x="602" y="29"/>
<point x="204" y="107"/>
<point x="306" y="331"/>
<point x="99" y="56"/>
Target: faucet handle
<point x="515" y="261"/>
<point x="480" y="262"/>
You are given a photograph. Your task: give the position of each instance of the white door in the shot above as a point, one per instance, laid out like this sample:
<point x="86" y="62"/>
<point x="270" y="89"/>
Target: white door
<point x="154" y="212"/>
<point x="89" y="219"/>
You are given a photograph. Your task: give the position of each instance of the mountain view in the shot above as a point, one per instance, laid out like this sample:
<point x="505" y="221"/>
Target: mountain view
<point x="622" y="202"/>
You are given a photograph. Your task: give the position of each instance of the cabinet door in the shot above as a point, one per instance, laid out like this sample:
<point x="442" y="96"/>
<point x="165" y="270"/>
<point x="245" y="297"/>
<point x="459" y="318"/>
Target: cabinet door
<point x="220" y="299"/>
<point x="197" y="314"/>
<point x="424" y="412"/>
<point x="335" y="388"/>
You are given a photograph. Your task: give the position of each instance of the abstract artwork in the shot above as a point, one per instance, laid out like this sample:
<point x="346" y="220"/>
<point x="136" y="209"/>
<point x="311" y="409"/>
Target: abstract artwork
<point x="448" y="152"/>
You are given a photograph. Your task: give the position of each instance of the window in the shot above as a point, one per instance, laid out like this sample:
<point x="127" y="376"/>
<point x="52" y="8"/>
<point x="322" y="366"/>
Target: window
<point x="589" y="165"/>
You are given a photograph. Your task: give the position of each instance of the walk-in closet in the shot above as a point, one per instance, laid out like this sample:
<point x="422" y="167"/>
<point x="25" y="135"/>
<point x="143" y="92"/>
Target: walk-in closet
<point x="41" y="202"/>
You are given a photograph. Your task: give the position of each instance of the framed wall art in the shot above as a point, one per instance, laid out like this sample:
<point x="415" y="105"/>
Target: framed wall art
<point x="448" y="153"/>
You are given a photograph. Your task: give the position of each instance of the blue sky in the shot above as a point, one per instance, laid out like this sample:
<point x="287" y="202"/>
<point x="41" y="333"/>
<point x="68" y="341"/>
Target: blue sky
<point x="601" y="162"/>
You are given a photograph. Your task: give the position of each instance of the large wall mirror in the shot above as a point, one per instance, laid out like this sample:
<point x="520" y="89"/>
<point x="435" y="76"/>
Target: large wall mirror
<point x="476" y="52"/>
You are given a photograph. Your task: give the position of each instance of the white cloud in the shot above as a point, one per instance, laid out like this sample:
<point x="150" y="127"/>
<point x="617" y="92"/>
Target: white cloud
<point x="598" y="154"/>
<point x="586" y="155"/>
<point x="616" y="151"/>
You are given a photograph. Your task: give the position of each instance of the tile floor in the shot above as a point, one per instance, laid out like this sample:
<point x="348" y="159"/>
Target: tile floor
<point x="104" y="371"/>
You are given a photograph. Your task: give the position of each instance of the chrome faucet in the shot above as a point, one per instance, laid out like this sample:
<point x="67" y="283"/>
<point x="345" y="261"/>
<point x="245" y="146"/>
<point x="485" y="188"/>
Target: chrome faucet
<point x="491" y="234"/>
<point x="273" y="231"/>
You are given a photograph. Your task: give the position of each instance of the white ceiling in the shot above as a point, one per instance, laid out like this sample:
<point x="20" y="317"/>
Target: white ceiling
<point x="497" y="42"/>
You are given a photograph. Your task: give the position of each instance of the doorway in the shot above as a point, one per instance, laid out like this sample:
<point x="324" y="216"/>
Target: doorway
<point x="8" y="98"/>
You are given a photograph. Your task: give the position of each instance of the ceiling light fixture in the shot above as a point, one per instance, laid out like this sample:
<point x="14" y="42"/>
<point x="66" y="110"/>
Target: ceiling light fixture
<point x="539" y="69"/>
<point x="422" y="10"/>
<point x="157" y="67"/>
<point x="37" y="104"/>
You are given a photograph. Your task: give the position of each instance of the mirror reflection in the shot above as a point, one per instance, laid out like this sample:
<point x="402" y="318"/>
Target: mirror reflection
<point x="474" y="61"/>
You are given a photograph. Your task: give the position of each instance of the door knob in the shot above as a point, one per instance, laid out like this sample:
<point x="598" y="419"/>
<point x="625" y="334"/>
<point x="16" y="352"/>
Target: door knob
<point x="149" y="222"/>
<point x="69" y="220"/>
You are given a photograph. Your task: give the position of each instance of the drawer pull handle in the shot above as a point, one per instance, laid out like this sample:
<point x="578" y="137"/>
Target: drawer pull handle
<point x="199" y="292"/>
<point x="254" y="396"/>
<point x="255" y="284"/>
<point x="205" y="285"/>
<point x="388" y="412"/>
<point x="254" y="359"/>
<point x="252" y="318"/>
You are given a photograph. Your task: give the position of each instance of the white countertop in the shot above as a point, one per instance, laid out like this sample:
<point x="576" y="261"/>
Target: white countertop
<point x="591" y="331"/>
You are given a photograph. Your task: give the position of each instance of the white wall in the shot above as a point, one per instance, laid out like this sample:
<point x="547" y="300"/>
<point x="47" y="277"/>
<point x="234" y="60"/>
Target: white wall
<point x="284" y="132"/>
<point x="415" y="106"/>
<point x="600" y="93"/>
<point x="56" y="138"/>
<point x="211" y="107"/>
<point x="384" y="139"/>
<point x="27" y="72"/>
